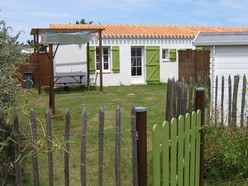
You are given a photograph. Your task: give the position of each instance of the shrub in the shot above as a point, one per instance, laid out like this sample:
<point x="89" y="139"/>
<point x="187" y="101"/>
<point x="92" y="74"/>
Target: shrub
<point x="226" y="154"/>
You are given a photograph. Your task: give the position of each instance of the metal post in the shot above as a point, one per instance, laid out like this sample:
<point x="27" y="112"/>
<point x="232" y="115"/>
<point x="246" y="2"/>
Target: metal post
<point x="200" y="104"/>
<point x="141" y="127"/>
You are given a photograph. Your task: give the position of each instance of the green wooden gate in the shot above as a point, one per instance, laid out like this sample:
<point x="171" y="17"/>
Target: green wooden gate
<point x="176" y="151"/>
<point x="152" y="64"/>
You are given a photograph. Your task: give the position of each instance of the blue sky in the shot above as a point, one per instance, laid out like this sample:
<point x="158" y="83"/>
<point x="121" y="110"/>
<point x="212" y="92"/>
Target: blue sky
<point x="27" y="14"/>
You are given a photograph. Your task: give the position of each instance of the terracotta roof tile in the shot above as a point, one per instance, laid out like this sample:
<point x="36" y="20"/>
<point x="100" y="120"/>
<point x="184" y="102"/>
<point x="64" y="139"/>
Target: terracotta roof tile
<point x="116" y="30"/>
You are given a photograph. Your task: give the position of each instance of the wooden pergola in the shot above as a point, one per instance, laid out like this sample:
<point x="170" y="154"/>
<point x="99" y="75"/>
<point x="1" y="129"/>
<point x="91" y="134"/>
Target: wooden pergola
<point x="36" y="32"/>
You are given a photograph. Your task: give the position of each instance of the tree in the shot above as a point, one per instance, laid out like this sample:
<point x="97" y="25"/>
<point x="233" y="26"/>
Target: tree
<point x="83" y="22"/>
<point x="10" y="54"/>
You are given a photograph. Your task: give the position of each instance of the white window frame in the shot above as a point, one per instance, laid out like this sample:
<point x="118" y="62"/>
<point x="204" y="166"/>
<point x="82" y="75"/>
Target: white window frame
<point x="104" y="56"/>
<point x="165" y="55"/>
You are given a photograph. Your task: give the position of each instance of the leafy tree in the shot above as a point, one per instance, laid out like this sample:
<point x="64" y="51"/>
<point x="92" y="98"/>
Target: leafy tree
<point x="84" y="22"/>
<point x="10" y="54"/>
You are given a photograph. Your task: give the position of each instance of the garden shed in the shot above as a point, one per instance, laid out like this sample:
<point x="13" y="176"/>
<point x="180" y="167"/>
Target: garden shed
<point x="229" y="56"/>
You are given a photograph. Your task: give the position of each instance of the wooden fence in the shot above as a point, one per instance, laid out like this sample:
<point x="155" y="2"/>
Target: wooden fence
<point x="229" y="101"/>
<point x="176" y="151"/>
<point x="180" y="98"/>
<point x="139" y="150"/>
<point x="194" y="64"/>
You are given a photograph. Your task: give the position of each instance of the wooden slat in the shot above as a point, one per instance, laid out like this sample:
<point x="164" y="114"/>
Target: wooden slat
<point x="229" y="100"/>
<point x="118" y="147"/>
<point x="192" y="150"/>
<point x="198" y="141"/>
<point x="83" y="147"/>
<point x="34" y="147"/>
<point x="134" y="148"/>
<point x="165" y="154"/>
<point x="216" y="100"/>
<point x="180" y="159"/>
<point x="49" y="148"/>
<point x="156" y="155"/>
<point x="222" y="101"/>
<point x="67" y="147"/>
<point x="101" y="139"/>
<point x="17" y="144"/>
<point x="187" y="150"/>
<point x="173" y="153"/>
<point x="235" y="98"/>
<point x="243" y="102"/>
<point x="191" y="96"/>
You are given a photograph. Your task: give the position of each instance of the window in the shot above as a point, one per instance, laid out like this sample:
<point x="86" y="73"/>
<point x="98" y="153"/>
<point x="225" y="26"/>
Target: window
<point x="105" y="59"/>
<point x="165" y="54"/>
<point x="136" y="62"/>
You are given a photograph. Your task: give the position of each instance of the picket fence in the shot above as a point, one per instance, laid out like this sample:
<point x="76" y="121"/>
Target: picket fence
<point x="137" y="116"/>
<point x="229" y="103"/>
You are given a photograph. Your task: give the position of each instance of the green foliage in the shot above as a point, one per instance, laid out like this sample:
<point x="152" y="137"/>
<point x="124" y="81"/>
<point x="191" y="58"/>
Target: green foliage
<point x="226" y="154"/>
<point x="10" y="53"/>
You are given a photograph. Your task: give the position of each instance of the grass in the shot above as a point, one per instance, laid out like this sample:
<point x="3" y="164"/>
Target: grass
<point x="151" y="96"/>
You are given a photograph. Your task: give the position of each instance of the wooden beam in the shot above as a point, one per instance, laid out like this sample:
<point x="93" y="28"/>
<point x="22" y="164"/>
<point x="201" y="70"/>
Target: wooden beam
<point x="100" y="52"/>
<point x="52" y="94"/>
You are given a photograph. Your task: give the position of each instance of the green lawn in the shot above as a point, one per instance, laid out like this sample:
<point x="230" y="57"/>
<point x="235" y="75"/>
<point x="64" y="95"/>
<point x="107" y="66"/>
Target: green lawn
<point x="150" y="96"/>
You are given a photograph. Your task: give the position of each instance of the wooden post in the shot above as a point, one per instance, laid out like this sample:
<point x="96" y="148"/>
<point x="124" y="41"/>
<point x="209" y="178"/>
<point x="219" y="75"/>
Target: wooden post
<point x="100" y="56"/>
<point x="17" y="149"/>
<point x="118" y="147"/>
<point x="134" y="148"/>
<point x="200" y="104"/>
<point x="101" y="140"/>
<point x="83" y="147"/>
<point x="67" y="148"/>
<point x="141" y="127"/>
<point x="49" y="148"/>
<point x="34" y="148"/>
<point x="243" y="102"/>
<point x="88" y="64"/>
<point x="52" y="95"/>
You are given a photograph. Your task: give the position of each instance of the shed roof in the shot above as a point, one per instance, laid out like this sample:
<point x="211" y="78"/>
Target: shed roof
<point x="220" y="38"/>
<point x="149" y="31"/>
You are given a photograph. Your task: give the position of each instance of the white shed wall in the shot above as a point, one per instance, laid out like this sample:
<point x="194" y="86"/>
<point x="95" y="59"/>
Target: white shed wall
<point x="228" y="60"/>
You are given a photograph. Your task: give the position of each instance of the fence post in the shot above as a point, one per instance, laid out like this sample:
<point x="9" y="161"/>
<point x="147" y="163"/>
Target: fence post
<point x="141" y="127"/>
<point x="200" y="104"/>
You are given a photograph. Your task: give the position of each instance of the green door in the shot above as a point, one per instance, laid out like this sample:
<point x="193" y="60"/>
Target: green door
<point x="152" y="64"/>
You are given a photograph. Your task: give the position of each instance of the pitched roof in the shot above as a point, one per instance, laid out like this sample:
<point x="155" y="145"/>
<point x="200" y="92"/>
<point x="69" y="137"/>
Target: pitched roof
<point x="220" y="38"/>
<point x="149" y="31"/>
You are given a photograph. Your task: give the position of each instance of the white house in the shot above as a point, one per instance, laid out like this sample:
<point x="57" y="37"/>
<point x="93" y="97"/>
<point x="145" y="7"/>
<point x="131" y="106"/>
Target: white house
<point x="132" y="54"/>
<point x="229" y="56"/>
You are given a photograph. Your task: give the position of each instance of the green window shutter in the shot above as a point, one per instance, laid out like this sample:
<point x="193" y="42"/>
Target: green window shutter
<point x="173" y="55"/>
<point x="92" y="59"/>
<point x="116" y="59"/>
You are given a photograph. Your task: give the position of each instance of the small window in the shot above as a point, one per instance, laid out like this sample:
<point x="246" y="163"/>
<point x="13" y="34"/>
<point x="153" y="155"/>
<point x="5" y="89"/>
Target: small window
<point x="105" y="59"/>
<point x="165" y="55"/>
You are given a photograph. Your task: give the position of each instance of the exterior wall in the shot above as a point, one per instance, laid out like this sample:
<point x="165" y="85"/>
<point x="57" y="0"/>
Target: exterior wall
<point x="73" y="58"/>
<point x="225" y="61"/>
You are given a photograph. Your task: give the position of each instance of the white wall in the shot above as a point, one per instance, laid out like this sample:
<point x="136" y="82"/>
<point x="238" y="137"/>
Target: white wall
<point x="68" y="56"/>
<point x="225" y="61"/>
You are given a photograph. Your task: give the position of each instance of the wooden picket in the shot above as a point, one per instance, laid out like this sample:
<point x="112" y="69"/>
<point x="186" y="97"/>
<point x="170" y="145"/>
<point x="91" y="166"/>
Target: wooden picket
<point x="178" y="145"/>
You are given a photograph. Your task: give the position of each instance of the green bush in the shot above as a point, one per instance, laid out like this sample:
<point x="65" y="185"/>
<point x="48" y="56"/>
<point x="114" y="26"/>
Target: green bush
<point x="226" y="154"/>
